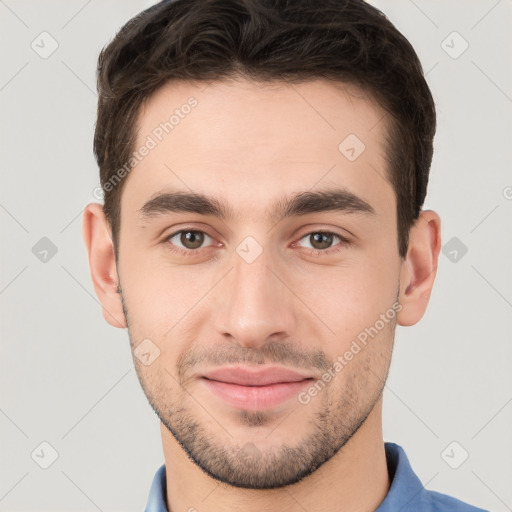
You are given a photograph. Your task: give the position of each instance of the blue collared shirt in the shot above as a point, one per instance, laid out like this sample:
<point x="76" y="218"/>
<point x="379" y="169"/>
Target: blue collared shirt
<point x="406" y="493"/>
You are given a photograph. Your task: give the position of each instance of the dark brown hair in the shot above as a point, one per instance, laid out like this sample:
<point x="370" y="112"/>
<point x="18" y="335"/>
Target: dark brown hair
<point x="347" y="41"/>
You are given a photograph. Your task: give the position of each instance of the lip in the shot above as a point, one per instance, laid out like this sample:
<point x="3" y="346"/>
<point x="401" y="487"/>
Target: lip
<point x="245" y="376"/>
<point x="255" y="389"/>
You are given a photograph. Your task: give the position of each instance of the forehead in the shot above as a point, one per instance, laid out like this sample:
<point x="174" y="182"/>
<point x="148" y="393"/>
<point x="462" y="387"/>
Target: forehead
<point x="253" y="142"/>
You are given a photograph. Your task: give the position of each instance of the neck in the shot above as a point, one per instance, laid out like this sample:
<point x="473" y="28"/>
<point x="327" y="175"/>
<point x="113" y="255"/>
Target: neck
<point x="355" y="479"/>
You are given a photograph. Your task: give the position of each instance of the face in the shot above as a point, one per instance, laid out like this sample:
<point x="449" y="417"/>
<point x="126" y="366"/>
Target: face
<point x="267" y="330"/>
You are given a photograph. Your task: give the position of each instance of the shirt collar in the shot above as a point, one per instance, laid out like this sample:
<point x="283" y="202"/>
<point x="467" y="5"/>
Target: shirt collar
<point x="406" y="489"/>
<point x="158" y="492"/>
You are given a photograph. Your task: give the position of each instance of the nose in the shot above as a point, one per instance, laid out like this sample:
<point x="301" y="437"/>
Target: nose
<point x="254" y="303"/>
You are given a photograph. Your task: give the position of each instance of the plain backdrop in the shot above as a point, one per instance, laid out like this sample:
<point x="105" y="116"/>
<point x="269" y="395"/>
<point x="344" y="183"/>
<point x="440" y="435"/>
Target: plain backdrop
<point x="67" y="377"/>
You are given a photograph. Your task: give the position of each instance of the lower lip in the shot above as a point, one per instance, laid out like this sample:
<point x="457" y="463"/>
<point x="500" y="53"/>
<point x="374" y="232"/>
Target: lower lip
<point x="256" y="397"/>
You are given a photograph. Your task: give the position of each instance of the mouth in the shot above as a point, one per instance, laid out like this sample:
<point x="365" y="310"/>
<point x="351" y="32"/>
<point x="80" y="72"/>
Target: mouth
<point x="250" y="389"/>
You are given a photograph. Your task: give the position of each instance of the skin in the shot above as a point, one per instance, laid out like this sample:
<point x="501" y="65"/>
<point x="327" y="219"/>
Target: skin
<point x="250" y="144"/>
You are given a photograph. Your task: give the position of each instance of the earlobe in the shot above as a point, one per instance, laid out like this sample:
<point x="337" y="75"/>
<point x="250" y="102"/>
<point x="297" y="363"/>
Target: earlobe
<point x="102" y="264"/>
<point x="419" y="268"/>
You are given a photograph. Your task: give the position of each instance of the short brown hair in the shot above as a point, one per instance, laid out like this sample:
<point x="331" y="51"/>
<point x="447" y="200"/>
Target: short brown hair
<point x="267" y="40"/>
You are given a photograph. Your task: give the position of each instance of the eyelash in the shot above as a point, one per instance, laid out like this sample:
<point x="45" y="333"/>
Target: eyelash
<point x="314" y="252"/>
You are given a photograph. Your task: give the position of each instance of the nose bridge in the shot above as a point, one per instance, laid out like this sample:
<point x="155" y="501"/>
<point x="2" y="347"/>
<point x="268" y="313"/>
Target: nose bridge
<point x="253" y="302"/>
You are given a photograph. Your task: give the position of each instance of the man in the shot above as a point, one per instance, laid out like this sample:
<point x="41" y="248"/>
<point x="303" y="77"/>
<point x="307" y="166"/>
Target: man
<point x="264" y="165"/>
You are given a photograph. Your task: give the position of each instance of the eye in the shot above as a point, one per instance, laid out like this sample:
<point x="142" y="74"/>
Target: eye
<point x="190" y="241"/>
<point x="321" y="242"/>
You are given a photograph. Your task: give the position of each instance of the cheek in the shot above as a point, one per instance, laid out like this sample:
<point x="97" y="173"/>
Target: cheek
<point x="163" y="306"/>
<point x="361" y="363"/>
<point x="351" y="297"/>
<point x="154" y="289"/>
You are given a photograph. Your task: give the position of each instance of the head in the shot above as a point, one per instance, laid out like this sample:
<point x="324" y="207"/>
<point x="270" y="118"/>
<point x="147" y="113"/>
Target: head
<point x="264" y="165"/>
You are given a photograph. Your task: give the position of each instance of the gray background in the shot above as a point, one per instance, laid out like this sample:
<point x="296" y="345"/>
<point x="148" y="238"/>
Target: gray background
<point x="67" y="377"/>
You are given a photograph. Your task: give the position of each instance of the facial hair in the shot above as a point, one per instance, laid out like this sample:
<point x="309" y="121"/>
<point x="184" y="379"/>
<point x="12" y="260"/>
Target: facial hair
<point x="245" y="465"/>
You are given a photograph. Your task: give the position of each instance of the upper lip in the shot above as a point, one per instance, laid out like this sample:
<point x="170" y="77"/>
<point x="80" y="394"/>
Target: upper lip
<point x="246" y="376"/>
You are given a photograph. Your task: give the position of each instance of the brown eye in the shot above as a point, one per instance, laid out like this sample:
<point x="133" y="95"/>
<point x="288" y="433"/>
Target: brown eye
<point x="187" y="239"/>
<point x="192" y="239"/>
<point x="324" y="242"/>
<point x="321" y="240"/>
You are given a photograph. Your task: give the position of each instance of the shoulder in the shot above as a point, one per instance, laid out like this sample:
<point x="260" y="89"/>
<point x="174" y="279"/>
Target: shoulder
<point x="408" y="494"/>
<point x="443" y="503"/>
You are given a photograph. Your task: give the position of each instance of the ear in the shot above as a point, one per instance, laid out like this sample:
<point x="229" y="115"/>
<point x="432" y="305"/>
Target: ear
<point x="98" y="241"/>
<point x="419" y="267"/>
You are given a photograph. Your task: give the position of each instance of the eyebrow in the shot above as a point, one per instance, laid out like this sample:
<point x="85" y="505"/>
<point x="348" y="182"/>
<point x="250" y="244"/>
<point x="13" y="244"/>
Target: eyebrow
<point x="299" y="204"/>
